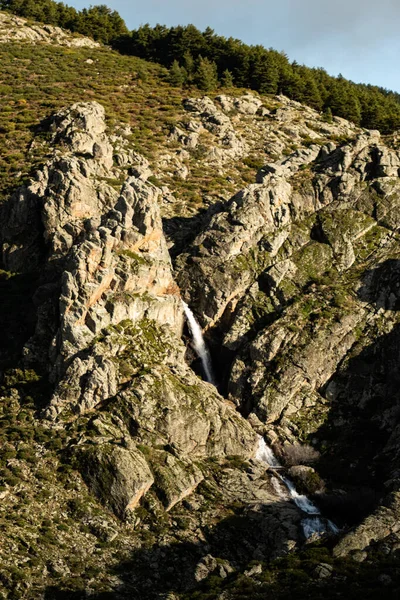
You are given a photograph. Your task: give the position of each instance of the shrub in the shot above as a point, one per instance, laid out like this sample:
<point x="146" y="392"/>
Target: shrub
<point x="299" y="454"/>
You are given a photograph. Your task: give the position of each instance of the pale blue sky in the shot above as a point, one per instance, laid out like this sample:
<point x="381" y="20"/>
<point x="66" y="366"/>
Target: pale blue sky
<point x="358" y="38"/>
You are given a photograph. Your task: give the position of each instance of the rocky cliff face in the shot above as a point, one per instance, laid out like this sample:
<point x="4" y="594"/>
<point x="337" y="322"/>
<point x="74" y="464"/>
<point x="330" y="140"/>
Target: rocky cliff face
<point x="297" y="275"/>
<point x="114" y="339"/>
<point x="295" y="280"/>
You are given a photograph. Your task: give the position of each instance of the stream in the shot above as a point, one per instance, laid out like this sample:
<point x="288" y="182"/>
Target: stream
<point x="313" y="522"/>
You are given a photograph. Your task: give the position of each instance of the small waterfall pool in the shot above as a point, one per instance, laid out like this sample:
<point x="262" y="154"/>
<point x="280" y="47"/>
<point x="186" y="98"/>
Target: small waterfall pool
<point x="314" y="523"/>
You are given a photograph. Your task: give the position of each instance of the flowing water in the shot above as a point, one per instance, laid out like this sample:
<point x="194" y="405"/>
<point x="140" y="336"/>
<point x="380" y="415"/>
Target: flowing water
<point x="313" y="524"/>
<point x="199" y="343"/>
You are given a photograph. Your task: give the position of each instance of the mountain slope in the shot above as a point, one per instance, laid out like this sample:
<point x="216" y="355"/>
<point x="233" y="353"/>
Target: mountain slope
<point x="124" y="473"/>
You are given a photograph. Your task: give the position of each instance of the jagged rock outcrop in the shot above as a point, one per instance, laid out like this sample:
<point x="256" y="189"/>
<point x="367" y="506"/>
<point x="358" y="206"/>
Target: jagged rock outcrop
<point x="243" y="239"/>
<point x="16" y="29"/>
<point x="296" y="275"/>
<point x="284" y="389"/>
<point x="108" y="247"/>
<point x="44" y="218"/>
<point x="247" y="104"/>
<point x="229" y="145"/>
<point x="157" y="403"/>
<point x="114" y="344"/>
<point x="295" y="279"/>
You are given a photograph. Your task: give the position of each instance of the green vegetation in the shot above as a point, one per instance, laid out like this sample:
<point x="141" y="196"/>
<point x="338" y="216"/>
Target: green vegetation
<point x="313" y="574"/>
<point x="36" y="84"/>
<point x="209" y="60"/>
<point x="46" y="506"/>
<point x="98" y="22"/>
<point x="266" y="71"/>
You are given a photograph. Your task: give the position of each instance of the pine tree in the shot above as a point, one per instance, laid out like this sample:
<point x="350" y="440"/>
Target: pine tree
<point x="264" y="70"/>
<point x="206" y="76"/>
<point x="353" y="105"/>
<point x="177" y="74"/>
<point x="189" y="66"/>
<point x="227" y="79"/>
<point x="327" y="116"/>
<point x="310" y="93"/>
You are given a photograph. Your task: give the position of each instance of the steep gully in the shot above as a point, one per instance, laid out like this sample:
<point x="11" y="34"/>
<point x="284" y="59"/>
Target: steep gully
<point x="313" y="523"/>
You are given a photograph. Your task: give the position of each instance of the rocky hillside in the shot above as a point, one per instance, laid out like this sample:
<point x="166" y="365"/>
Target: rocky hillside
<point x="124" y="473"/>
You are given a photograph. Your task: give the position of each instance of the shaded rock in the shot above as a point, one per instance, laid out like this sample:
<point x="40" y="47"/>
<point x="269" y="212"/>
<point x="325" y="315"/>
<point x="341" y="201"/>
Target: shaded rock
<point x="118" y="476"/>
<point x="385" y="579"/>
<point x="323" y="571"/>
<point x="381" y="524"/>
<point x="205" y="567"/>
<point x="175" y="478"/>
<point x="306" y="479"/>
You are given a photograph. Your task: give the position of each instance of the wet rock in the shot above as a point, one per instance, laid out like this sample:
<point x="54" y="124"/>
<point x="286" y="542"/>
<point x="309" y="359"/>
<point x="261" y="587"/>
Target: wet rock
<point x="306" y="479"/>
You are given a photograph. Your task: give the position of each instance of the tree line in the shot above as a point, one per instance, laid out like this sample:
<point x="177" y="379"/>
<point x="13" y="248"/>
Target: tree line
<point x="99" y="22"/>
<point x="208" y="61"/>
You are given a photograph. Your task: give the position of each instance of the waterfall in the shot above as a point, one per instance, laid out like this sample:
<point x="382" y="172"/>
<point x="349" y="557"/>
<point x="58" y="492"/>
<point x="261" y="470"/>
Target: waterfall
<point x="314" y="523"/>
<point x="199" y="343"/>
<point x="265" y="454"/>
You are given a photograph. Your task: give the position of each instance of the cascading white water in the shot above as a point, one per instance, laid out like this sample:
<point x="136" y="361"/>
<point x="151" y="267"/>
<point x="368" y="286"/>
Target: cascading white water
<point x="300" y="500"/>
<point x="313" y="524"/>
<point x="265" y="454"/>
<point x="199" y="343"/>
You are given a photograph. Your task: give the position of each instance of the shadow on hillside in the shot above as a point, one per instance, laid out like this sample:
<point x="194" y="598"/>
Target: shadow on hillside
<point x="168" y="572"/>
<point x="17" y="316"/>
<point x="364" y="397"/>
<point x="264" y="532"/>
<point x="21" y="251"/>
<point x="181" y="231"/>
